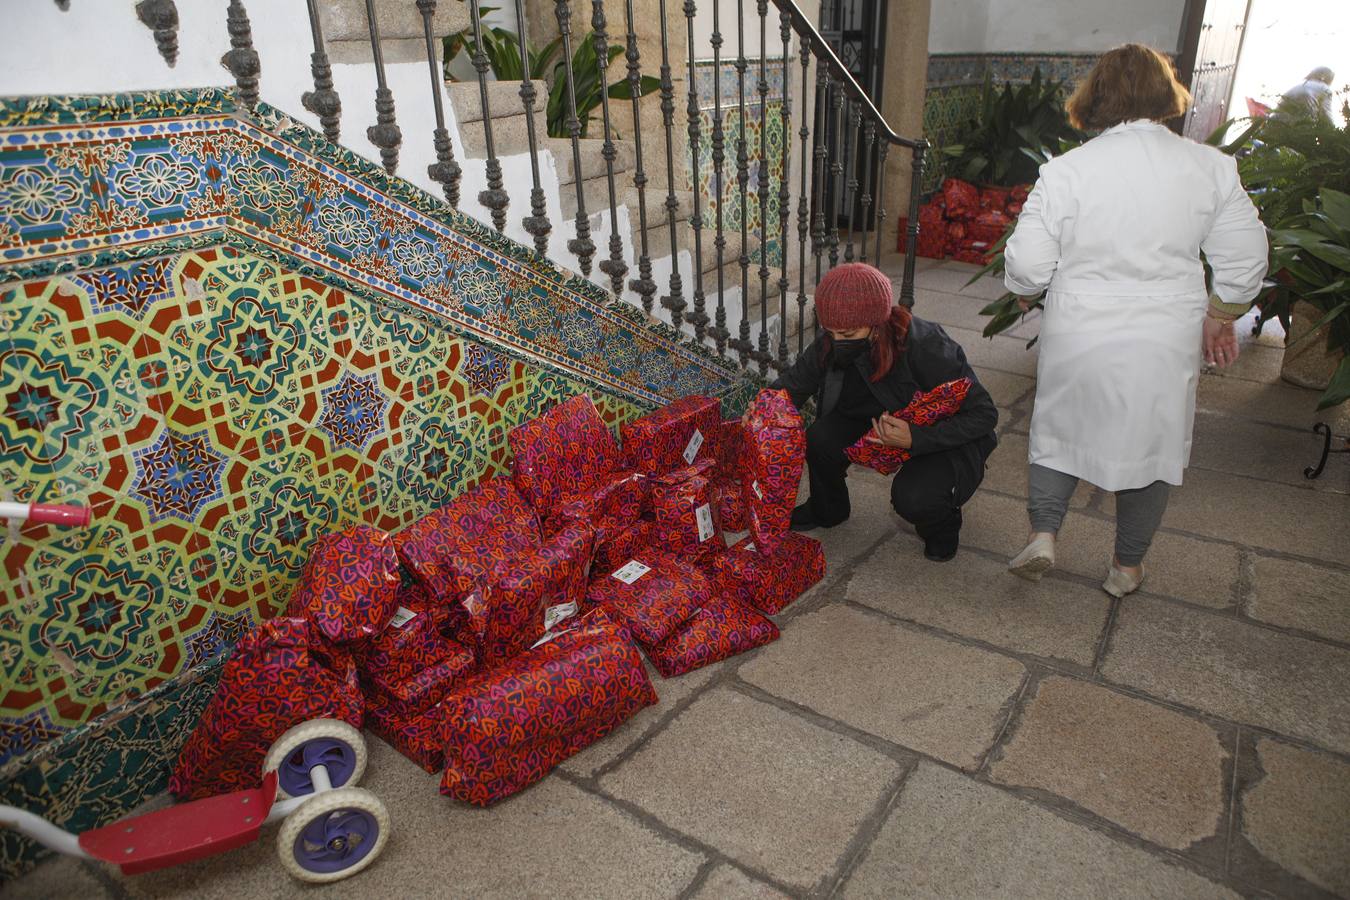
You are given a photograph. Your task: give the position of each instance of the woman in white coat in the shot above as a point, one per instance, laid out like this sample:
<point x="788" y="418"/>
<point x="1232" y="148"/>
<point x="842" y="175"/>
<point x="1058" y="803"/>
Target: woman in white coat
<point x="1113" y="232"/>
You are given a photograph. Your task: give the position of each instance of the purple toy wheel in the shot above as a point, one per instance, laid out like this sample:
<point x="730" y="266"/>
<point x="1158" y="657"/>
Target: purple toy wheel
<point x="336" y="841"/>
<point x="337" y="756"/>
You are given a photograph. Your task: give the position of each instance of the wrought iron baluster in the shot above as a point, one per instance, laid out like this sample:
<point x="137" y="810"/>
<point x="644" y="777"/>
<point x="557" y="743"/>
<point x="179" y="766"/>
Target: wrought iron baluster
<point x="494" y="198"/>
<point x="762" y="354"/>
<point x="699" y="317"/>
<point x="644" y="285"/>
<point x="865" y="202"/>
<point x="675" y="300"/>
<point x="536" y="224"/>
<point x="444" y="171"/>
<point x="784" y="196"/>
<point x="719" y="330"/>
<point x="161" y="17"/>
<point x="819" y="193"/>
<point x="851" y="162"/>
<point x="881" y="194"/>
<point x="63" y="5"/>
<point x="614" y="267"/>
<point x="742" y="344"/>
<point x="581" y="245"/>
<point x="915" y="185"/>
<point x="837" y="151"/>
<point x="803" y="204"/>
<point x="385" y="133"/>
<point x="241" y="59"/>
<point x="323" y="101"/>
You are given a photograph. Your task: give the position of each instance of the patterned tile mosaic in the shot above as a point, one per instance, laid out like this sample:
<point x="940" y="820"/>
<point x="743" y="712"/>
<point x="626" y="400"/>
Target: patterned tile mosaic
<point x="225" y="337"/>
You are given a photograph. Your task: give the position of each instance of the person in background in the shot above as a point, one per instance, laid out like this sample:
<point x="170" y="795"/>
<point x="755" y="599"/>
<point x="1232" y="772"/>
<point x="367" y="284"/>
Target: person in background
<point x="871" y="358"/>
<point x="1311" y="98"/>
<point x="1113" y="232"/>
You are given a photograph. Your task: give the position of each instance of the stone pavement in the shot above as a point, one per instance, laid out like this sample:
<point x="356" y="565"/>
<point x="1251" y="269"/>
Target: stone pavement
<point x="949" y="730"/>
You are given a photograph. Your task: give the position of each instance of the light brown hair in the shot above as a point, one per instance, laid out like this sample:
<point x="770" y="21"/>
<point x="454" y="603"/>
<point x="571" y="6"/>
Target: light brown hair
<point x="1127" y="83"/>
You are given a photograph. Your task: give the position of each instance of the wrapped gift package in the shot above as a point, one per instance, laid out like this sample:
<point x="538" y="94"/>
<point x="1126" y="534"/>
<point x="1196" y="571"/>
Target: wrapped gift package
<point x="416" y="694"/>
<point x="421" y="737"/>
<point x="775" y="453"/>
<point x="731" y="508"/>
<point x="676" y="435"/>
<point x="651" y="595"/>
<point x="279" y="675"/>
<point x="685" y="512"/>
<point x="612" y="508"/>
<point x="523" y="598"/>
<point x="768" y="581"/>
<point x="348" y="586"/>
<point x="634" y="541"/>
<point x="720" y="630"/>
<point x="730" y="449"/>
<point x="926" y="408"/>
<point x="509" y="726"/>
<point x="454" y="549"/>
<point x="413" y="641"/>
<point x="562" y="454"/>
<point x="966" y="222"/>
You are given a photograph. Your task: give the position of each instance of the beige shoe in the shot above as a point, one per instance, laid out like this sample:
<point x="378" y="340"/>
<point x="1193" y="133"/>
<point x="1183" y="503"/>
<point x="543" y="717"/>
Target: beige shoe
<point x="1035" y="558"/>
<point x="1119" y="583"/>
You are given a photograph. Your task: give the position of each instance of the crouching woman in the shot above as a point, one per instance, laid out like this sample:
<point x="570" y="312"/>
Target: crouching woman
<point x="870" y="359"/>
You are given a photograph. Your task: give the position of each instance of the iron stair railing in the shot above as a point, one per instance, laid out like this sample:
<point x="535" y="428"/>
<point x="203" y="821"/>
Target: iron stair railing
<point x="841" y="165"/>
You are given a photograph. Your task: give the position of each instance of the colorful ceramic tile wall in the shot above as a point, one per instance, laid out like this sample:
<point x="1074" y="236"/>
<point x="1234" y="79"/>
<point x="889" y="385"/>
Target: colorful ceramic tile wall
<point x="760" y="119"/>
<point x="226" y="337"/>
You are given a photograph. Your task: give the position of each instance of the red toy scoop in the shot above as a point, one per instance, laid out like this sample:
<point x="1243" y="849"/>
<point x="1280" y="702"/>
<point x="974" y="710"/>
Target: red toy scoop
<point x="184" y="832"/>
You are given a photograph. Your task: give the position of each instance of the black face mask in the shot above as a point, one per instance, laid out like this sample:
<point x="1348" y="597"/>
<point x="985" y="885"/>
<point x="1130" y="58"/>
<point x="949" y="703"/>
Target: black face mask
<point x="844" y="353"/>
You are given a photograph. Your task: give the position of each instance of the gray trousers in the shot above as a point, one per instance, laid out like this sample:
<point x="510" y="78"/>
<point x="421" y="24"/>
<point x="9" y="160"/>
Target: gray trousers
<point x="1138" y="511"/>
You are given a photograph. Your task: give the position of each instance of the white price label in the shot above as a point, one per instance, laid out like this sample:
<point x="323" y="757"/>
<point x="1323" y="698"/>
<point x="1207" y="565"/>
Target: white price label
<point x="691" y="449"/>
<point x="631" y="571"/>
<point x="555" y="614"/>
<point x="754" y="486"/>
<point x="705" y="522"/>
<point x="750" y="547"/>
<point x="402" y="617"/>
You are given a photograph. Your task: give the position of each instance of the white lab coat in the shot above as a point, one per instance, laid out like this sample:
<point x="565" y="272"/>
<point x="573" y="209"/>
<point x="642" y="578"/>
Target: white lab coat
<point x="1114" y="230"/>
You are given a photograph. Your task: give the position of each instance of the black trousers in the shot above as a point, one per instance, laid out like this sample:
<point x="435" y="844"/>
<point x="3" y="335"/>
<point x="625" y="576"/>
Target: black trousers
<point x="924" y="492"/>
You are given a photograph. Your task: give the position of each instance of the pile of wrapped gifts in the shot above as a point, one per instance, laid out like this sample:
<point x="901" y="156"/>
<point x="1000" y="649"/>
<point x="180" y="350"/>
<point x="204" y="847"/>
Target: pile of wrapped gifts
<point x="964" y="222"/>
<point x="496" y="637"/>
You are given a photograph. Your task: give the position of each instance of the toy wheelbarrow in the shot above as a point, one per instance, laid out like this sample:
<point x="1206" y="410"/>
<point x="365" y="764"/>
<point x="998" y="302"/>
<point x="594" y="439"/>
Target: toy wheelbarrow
<point x="330" y="828"/>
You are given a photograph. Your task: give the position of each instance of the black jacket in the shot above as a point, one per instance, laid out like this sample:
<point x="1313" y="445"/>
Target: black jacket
<point x="930" y="358"/>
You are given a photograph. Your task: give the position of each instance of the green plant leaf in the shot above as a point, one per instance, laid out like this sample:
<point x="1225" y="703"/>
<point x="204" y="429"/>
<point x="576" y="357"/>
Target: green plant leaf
<point x="1338" y="391"/>
<point x="1336" y="205"/>
<point x="1311" y="332"/>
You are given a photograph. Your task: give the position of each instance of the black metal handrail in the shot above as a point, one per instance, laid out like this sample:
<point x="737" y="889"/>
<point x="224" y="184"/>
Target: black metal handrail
<point x="844" y="143"/>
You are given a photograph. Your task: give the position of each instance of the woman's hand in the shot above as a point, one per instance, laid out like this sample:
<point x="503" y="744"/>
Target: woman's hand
<point x="1220" y="342"/>
<point x="891" y="432"/>
<point x="1026" y="303"/>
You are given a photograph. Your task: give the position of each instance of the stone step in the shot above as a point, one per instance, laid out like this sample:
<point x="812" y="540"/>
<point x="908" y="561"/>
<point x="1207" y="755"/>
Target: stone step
<point x="592" y="162"/>
<point x="510" y="133"/>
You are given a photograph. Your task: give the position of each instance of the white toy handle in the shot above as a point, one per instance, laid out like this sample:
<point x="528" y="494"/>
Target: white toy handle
<point x="40" y="830"/>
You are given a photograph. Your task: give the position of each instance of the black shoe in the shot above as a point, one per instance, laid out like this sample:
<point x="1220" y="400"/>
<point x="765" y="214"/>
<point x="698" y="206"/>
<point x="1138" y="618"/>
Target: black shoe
<point x="802" y="520"/>
<point x="941" y="550"/>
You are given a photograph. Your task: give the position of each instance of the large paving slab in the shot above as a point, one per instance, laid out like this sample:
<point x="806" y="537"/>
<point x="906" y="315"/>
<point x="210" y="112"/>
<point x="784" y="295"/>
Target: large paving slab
<point x="670" y="693"/>
<point x="978" y="598"/>
<point x="1234" y="669"/>
<point x="1198" y="571"/>
<point x="950" y="309"/>
<point x="950" y="836"/>
<point x="1257" y="362"/>
<point x="1276" y="403"/>
<point x="551" y="840"/>
<point x="1298" y="814"/>
<point x="1147" y="768"/>
<point x="1272" y="452"/>
<point x="953" y="278"/>
<point x="57" y="879"/>
<point x="1006" y="472"/>
<point x="1279" y="517"/>
<point x="1304" y="596"/>
<point x="1003" y="353"/>
<point x="749" y="779"/>
<point x="730" y="883"/>
<point x="1006" y="389"/>
<point x="929" y="694"/>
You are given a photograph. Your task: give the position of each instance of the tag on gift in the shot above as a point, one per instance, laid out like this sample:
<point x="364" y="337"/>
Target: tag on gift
<point x="555" y="614"/>
<point x="691" y="449"/>
<point x="705" y="522"/>
<point x="402" y="617"/>
<point x="754" y="486"/>
<point x="750" y="547"/>
<point x="631" y="571"/>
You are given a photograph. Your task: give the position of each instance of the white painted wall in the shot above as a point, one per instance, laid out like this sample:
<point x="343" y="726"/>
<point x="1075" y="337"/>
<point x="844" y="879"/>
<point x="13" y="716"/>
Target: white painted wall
<point x="1052" y="26"/>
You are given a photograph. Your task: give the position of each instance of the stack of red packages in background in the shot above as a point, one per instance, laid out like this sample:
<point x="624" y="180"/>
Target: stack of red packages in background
<point x="685" y="514"/>
<point x="768" y="582"/>
<point x="651" y="596"/>
<point x="775" y="453"/>
<point x="721" y="629"/>
<point x="927" y="407"/>
<point x="279" y="675"/>
<point x="347" y="589"/>
<point x="508" y="727"/>
<point x="965" y="222"/>
<point x="731" y="499"/>
<point x="680" y="434"/>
